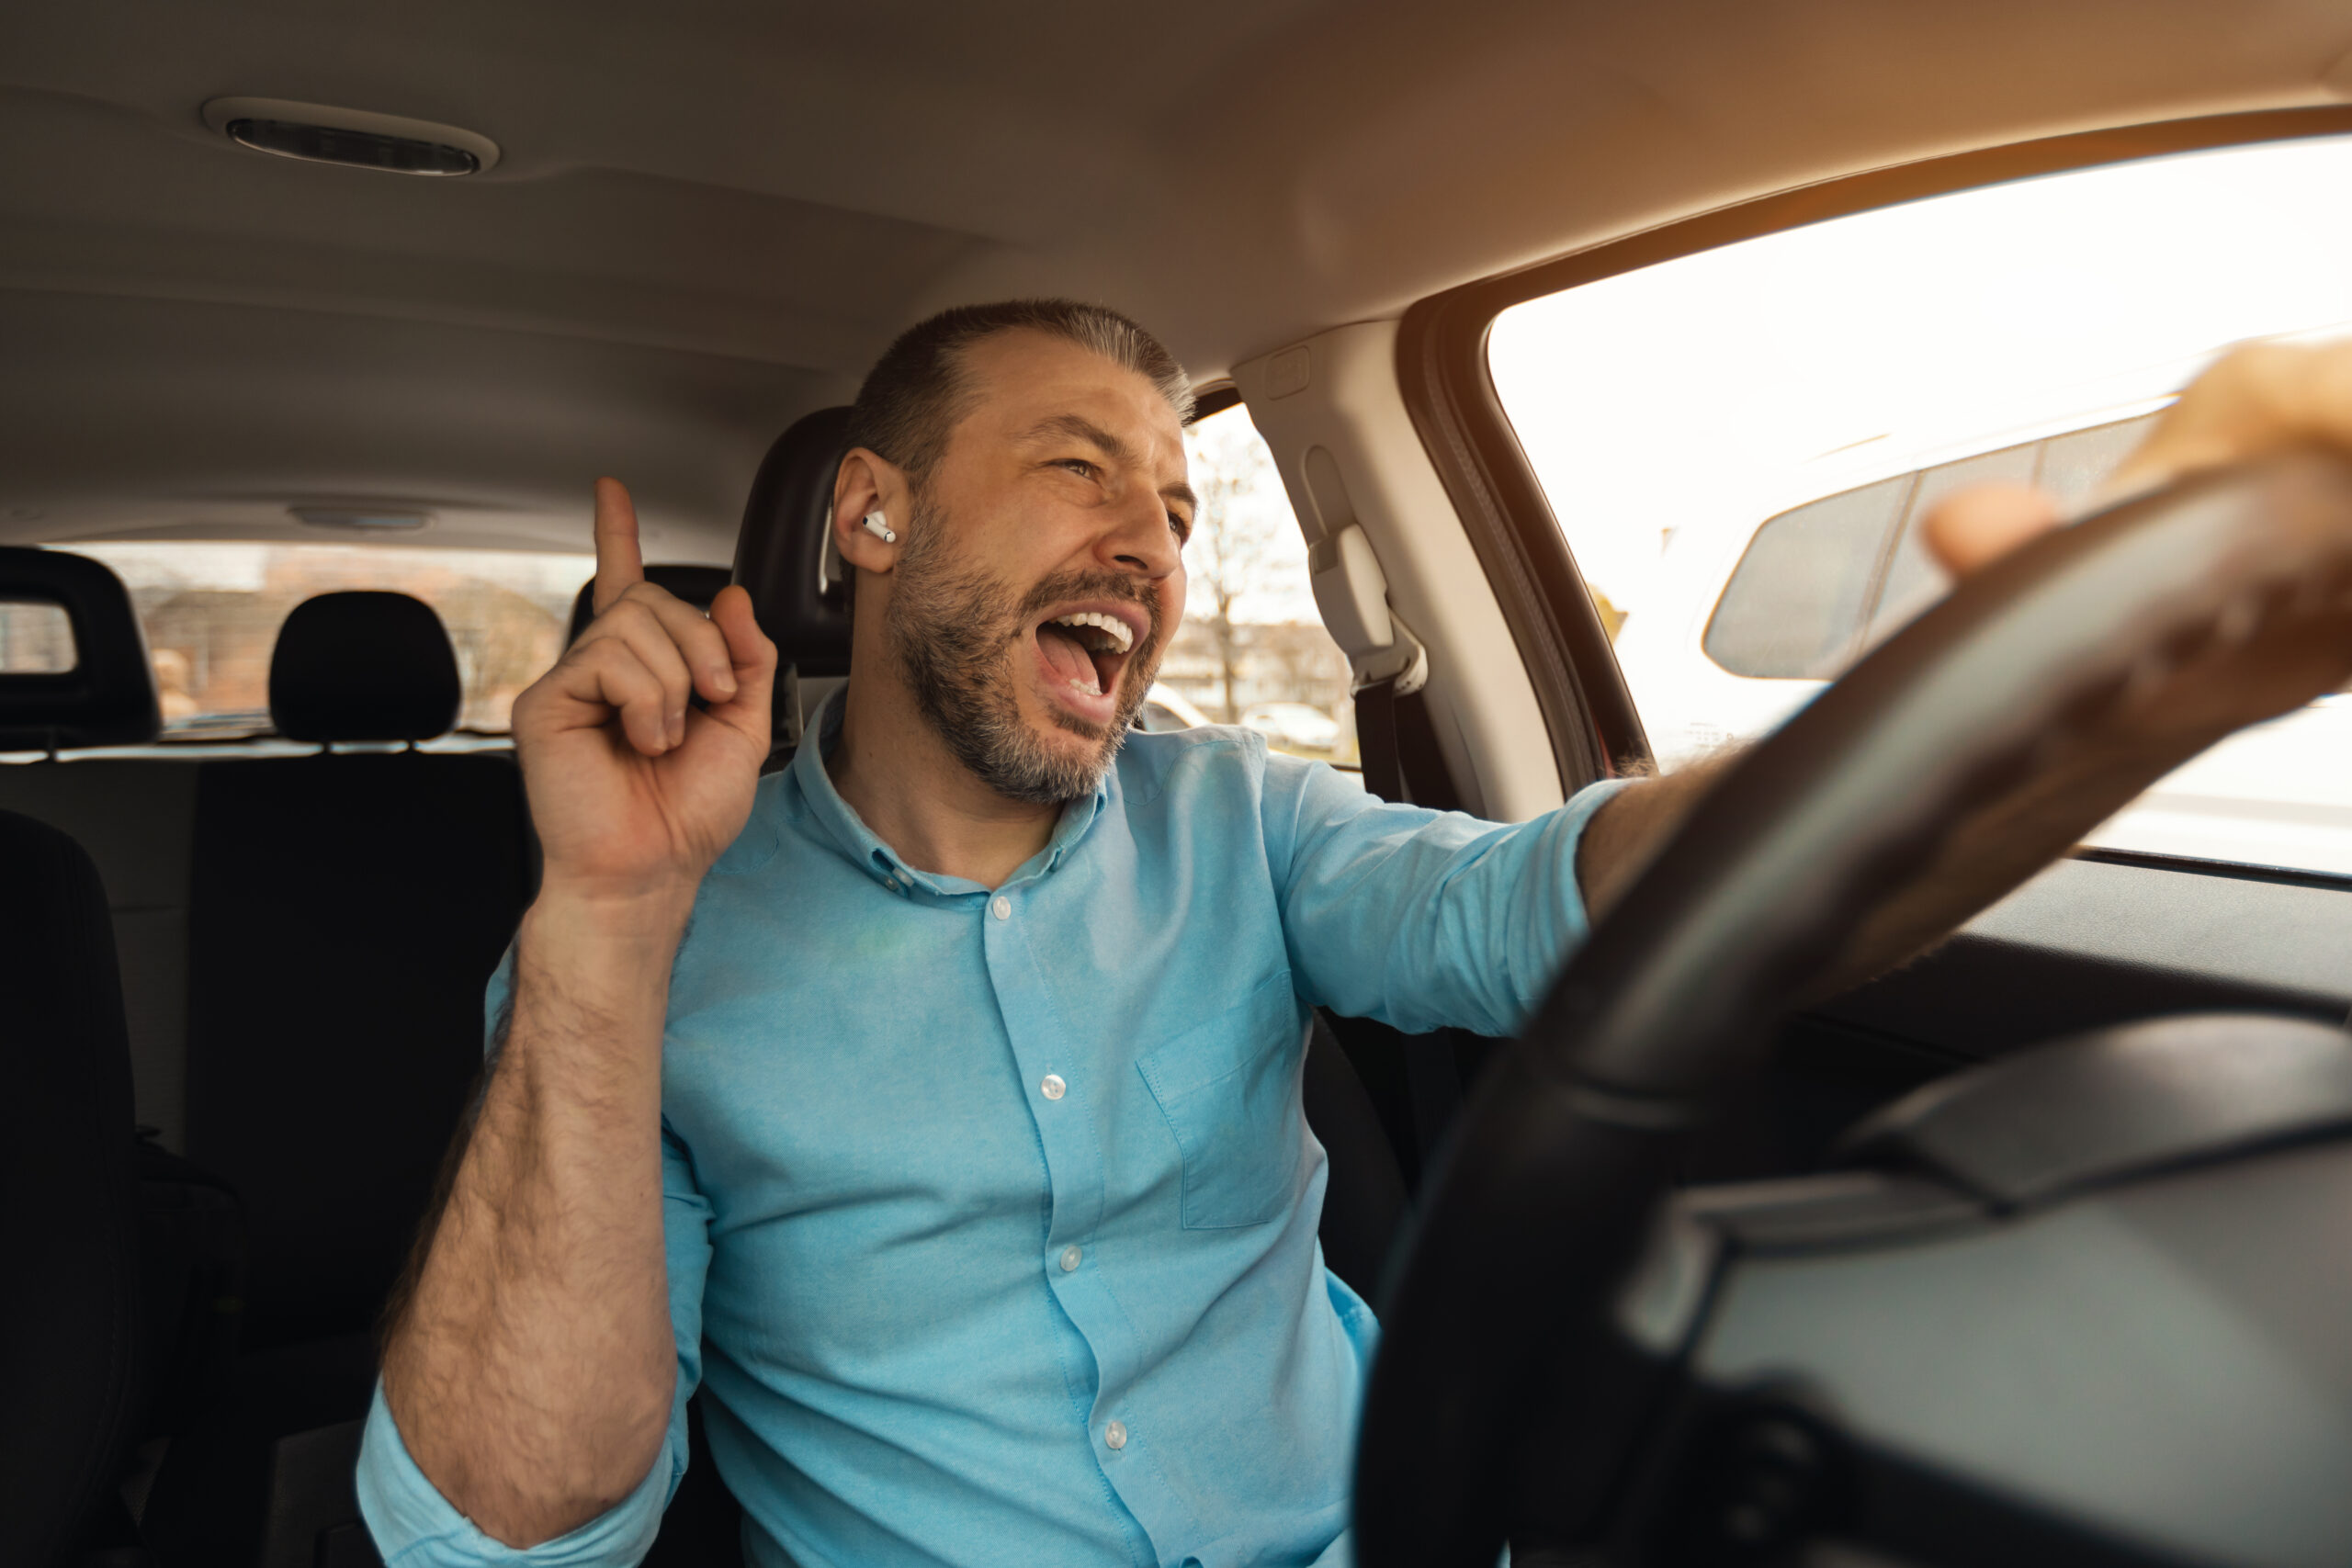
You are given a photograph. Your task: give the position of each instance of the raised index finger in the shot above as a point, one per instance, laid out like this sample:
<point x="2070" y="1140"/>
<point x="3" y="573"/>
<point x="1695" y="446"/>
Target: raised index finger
<point x="619" y="565"/>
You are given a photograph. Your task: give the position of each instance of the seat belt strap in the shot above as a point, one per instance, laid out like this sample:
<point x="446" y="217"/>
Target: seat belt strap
<point x="1376" y="739"/>
<point x="1396" y="738"/>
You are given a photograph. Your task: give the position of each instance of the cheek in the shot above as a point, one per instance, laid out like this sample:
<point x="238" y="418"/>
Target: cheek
<point x="1171" y="606"/>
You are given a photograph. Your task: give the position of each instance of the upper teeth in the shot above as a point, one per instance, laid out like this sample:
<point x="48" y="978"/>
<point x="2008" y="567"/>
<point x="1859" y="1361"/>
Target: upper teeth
<point x="1111" y="623"/>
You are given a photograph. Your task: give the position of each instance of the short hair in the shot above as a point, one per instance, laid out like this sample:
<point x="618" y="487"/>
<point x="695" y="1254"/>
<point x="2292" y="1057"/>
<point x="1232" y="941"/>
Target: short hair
<point x="917" y="392"/>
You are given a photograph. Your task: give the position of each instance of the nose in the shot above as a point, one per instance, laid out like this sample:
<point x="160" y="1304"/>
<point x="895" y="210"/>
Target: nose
<point x="1141" y="539"/>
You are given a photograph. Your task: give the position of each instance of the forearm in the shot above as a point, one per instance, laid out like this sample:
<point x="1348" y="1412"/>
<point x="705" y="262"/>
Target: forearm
<point x="1634" y="826"/>
<point x="1986" y="857"/>
<point x="532" y="1368"/>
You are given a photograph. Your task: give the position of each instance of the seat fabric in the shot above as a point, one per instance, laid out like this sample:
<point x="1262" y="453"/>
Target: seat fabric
<point x="345" y="911"/>
<point x="70" y="1329"/>
<point x="1364" y="1195"/>
<point x="265" y="1476"/>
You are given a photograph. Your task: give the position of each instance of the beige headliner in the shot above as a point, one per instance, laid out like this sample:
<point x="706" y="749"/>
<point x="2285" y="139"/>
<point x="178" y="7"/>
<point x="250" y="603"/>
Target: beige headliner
<point x="709" y="216"/>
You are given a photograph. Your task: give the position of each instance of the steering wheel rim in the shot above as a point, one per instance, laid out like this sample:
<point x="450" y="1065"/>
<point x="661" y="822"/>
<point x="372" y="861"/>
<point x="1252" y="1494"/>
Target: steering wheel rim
<point x="1965" y="721"/>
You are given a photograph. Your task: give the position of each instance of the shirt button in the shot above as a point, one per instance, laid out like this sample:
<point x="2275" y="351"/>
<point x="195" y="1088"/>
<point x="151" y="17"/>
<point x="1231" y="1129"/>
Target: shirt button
<point x="1071" y="1256"/>
<point x="1114" y="1436"/>
<point x="1001" y="908"/>
<point x="1053" y="1087"/>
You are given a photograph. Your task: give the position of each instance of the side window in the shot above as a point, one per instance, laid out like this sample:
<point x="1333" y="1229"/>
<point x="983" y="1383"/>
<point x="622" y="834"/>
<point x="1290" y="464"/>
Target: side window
<point x="1252" y="649"/>
<point x="1741" y="445"/>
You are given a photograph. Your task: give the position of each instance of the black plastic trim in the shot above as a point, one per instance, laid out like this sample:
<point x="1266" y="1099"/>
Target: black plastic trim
<point x="1442" y="370"/>
<point x="1213" y="400"/>
<point x="2230" y="871"/>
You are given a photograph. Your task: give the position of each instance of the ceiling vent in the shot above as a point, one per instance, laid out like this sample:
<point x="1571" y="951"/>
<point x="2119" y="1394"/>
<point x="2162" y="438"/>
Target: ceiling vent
<point x="320" y="133"/>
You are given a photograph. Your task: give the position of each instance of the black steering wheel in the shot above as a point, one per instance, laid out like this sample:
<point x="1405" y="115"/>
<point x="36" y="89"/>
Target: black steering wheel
<point x="1989" y="735"/>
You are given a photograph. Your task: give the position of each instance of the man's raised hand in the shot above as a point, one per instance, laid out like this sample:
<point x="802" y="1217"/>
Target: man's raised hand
<point x="633" y="790"/>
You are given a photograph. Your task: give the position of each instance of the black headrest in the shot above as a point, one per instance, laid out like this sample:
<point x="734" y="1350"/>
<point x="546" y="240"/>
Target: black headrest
<point x="800" y="588"/>
<point x="363" y="666"/>
<point x="107" y="698"/>
<point x="697" y="585"/>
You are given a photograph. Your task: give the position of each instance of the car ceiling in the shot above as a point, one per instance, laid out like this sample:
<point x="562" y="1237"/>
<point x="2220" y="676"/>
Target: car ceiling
<point x="708" y="217"/>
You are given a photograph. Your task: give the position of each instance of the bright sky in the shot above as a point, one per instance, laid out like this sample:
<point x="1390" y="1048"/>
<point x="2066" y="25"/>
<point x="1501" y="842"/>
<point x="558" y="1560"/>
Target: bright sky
<point x="1727" y="386"/>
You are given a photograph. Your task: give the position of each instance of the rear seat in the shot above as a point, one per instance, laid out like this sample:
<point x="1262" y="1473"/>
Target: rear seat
<point x="344" y="909"/>
<point x="305" y="942"/>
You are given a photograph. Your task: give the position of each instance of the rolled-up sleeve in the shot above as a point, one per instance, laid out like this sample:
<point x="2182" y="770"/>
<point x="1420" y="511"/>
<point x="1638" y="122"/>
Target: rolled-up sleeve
<point x="415" y="1527"/>
<point x="1423" y="920"/>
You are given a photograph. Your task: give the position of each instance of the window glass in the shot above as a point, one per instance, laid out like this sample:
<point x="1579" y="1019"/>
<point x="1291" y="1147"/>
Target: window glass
<point x="35" y="638"/>
<point x="1740" y="444"/>
<point x="211" y="614"/>
<point x="1252" y="649"/>
<point x="2073" y="467"/>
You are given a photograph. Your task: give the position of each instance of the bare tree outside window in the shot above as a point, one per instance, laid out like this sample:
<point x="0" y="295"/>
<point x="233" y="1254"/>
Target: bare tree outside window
<point x="1232" y="542"/>
<point x="1252" y="649"/>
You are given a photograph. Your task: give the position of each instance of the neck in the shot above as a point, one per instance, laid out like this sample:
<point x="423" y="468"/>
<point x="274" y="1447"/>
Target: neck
<point x="919" y="798"/>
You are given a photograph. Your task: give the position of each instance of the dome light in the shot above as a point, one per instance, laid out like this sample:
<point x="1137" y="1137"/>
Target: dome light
<point x="322" y="133"/>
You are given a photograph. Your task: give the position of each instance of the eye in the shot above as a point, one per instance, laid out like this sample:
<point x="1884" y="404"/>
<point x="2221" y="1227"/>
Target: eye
<point x="1078" y="466"/>
<point x="1182" y="525"/>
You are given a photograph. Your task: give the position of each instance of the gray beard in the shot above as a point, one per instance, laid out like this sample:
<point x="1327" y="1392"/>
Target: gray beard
<point x="957" y="634"/>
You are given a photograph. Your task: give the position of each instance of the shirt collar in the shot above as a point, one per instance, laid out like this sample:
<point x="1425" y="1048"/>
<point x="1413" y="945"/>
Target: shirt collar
<point x="857" y="841"/>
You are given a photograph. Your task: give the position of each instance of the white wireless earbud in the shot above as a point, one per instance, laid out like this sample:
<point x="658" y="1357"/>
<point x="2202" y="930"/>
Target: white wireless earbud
<point x="880" y="528"/>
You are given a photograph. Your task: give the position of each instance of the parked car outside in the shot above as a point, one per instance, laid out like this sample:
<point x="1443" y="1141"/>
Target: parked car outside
<point x="1165" y="709"/>
<point x="1294" y="726"/>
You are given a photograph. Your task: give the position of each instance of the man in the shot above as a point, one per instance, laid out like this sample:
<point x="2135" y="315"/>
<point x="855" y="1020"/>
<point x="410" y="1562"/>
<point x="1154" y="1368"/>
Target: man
<point x="934" y="1101"/>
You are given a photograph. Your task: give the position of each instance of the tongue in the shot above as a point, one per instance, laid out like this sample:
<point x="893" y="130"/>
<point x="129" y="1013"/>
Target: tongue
<point x="1067" y="659"/>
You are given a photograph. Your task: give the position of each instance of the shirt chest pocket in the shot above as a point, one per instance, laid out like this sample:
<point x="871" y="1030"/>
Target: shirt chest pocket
<point x="1230" y="1088"/>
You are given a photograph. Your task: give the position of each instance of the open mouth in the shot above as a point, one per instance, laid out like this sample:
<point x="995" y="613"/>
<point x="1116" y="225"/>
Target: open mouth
<point x="1083" y="654"/>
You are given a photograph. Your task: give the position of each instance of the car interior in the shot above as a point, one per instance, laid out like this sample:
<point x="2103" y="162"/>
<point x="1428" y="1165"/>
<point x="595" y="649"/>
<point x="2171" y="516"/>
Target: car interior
<point x="2027" y="1251"/>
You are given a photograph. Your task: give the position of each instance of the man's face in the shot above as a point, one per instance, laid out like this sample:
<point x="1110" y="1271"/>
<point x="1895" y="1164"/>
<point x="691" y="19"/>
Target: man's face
<point x="1043" y="576"/>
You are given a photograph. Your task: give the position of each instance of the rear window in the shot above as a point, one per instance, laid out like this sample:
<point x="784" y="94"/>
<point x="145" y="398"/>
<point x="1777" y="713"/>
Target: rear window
<point x="35" y="638"/>
<point x="211" y="614"/>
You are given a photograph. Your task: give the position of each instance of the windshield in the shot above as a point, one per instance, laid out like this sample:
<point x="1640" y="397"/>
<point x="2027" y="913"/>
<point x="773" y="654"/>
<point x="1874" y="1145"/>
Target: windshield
<point x="1740" y="444"/>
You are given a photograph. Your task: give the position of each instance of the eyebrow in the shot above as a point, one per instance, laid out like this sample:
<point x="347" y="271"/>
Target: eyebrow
<point x="1077" y="427"/>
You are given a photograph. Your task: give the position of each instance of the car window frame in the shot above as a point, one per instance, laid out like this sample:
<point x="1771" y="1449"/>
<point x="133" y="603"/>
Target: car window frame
<point x="1450" y="394"/>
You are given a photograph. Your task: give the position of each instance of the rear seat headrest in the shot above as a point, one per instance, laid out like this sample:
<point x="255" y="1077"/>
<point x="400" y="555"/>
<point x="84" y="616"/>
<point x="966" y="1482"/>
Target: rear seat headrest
<point x="109" y="698"/>
<point x="800" y="588"/>
<point x="363" y="666"/>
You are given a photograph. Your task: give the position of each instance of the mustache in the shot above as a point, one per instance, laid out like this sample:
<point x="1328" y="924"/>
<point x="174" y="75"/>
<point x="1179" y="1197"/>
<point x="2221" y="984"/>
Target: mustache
<point x="1112" y="585"/>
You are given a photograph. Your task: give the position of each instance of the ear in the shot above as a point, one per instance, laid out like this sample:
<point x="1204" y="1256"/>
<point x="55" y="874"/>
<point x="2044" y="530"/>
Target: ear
<point x="867" y="483"/>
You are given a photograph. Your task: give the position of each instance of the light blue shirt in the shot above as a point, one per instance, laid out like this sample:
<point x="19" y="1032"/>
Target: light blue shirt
<point x="992" y="1215"/>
